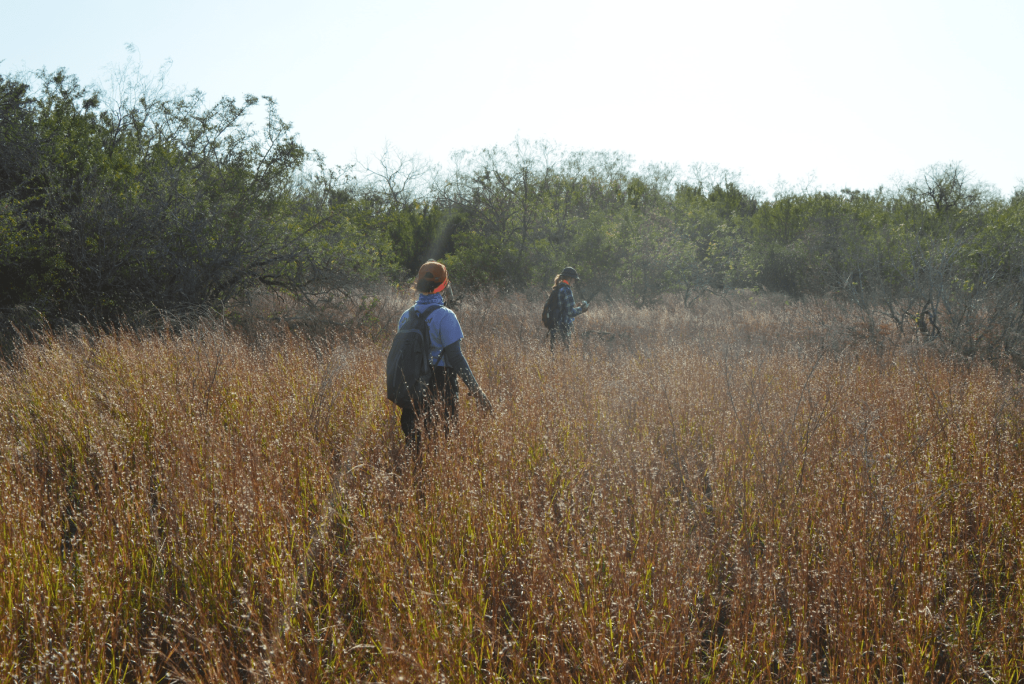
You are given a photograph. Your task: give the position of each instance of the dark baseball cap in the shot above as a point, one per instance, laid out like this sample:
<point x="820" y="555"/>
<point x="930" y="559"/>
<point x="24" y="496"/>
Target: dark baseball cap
<point x="570" y="272"/>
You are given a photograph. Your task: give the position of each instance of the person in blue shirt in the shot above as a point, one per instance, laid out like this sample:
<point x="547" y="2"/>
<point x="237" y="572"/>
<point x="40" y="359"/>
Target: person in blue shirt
<point x="567" y="309"/>
<point x="446" y="357"/>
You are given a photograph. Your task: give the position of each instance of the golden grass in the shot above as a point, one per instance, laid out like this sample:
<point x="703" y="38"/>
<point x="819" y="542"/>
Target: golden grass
<point x="747" y="492"/>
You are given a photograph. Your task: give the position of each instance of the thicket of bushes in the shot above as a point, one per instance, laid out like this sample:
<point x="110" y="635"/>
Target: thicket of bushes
<point x="145" y="198"/>
<point x="140" y="197"/>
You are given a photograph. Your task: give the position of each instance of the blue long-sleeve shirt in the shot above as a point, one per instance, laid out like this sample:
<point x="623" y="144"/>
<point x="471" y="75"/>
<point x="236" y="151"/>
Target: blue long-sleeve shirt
<point x="567" y="309"/>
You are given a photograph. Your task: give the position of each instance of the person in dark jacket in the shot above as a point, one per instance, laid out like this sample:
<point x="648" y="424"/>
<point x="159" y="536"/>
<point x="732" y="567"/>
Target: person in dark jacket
<point x="567" y="310"/>
<point x="446" y="358"/>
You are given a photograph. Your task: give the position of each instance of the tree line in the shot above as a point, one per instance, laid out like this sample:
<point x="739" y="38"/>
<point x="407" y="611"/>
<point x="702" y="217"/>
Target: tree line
<point x="139" y="197"/>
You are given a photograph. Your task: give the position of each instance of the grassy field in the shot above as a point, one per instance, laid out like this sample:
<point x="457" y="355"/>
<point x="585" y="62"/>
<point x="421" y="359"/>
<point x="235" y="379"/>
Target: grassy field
<point x="746" y="490"/>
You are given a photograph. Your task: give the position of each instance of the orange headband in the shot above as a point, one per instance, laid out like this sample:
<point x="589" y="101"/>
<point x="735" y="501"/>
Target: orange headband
<point x="440" y="288"/>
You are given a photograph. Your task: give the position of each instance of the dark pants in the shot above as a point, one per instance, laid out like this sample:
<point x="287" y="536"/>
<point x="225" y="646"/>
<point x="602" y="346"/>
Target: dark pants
<point x="562" y="334"/>
<point x="440" y="408"/>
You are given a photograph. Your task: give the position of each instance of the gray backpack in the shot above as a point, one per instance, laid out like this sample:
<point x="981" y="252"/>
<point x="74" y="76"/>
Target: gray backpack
<point x="408" y="368"/>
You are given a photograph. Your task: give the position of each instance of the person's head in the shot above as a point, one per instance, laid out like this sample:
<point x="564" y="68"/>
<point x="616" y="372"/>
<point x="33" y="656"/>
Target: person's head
<point x="569" y="275"/>
<point x="432" y="278"/>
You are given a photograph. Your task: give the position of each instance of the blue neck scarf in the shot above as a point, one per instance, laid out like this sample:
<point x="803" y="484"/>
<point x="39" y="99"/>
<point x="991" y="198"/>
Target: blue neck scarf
<point x="426" y="300"/>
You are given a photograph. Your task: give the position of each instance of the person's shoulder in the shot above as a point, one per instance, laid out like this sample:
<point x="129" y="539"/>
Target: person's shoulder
<point x="446" y="318"/>
<point x="444" y="313"/>
<point x="436" y="312"/>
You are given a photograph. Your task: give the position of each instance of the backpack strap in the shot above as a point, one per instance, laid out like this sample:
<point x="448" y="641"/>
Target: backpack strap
<point x="426" y="312"/>
<point x="422" y="315"/>
<point x="558" y="301"/>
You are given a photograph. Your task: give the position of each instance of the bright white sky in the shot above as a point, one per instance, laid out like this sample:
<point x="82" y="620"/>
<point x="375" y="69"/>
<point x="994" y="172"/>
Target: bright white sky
<point x="838" y="94"/>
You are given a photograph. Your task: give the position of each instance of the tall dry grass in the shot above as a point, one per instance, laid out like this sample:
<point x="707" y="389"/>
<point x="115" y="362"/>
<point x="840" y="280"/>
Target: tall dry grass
<point x="747" y="492"/>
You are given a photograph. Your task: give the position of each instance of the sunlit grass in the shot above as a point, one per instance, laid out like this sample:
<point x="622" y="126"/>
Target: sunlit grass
<point x="749" y="491"/>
